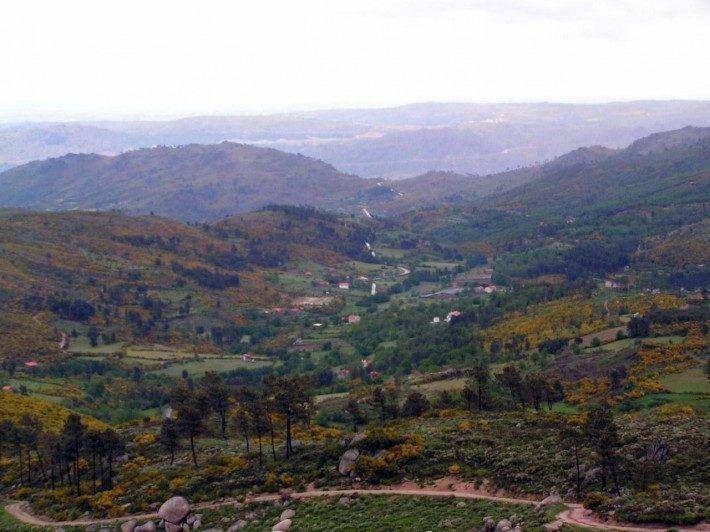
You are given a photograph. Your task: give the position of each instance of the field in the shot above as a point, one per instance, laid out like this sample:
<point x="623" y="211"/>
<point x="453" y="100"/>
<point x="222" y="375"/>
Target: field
<point x="430" y="388"/>
<point x="693" y="380"/>
<point x="618" y="345"/>
<point x="81" y="345"/>
<point x="607" y="335"/>
<point x="200" y="367"/>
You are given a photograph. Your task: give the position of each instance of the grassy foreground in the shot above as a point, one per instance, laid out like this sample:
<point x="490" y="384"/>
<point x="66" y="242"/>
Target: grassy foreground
<point x="380" y="512"/>
<point x="370" y="512"/>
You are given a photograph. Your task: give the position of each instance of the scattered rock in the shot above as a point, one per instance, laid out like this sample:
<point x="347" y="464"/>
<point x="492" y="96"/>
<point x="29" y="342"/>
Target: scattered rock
<point x="288" y="514"/>
<point x="282" y="525"/>
<point x="503" y="526"/>
<point x="238" y="525"/>
<point x="347" y="461"/>
<point x="129" y="526"/>
<point x="461" y="504"/>
<point x="92" y="528"/>
<point x="381" y="453"/>
<point x="226" y="520"/>
<point x="488" y="524"/>
<point x="553" y="498"/>
<point x="146" y="527"/>
<point x="345" y="501"/>
<point x="592" y="474"/>
<point x="555" y="526"/>
<point x="359" y="437"/>
<point x="174" y="511"/>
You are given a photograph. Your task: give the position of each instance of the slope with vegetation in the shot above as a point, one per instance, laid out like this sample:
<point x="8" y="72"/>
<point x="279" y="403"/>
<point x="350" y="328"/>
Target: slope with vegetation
<point x="213" y="180"/>
<point x="551" y="340"/>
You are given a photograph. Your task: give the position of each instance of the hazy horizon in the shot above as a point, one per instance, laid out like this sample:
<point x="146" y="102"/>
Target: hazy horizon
<point x="66" y="116"/>
<point x="89" y="61"/>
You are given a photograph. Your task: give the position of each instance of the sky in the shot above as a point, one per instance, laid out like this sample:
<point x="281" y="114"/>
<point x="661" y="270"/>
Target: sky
<point x="79" y="59"/>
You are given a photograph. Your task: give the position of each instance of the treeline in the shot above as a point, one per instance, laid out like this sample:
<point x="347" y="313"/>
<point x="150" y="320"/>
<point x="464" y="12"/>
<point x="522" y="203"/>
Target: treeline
<point x="45" y="459"/>
<point x="482" y="391"/>
<point x="171" y="244"/>
<point x="258" y="412"/>
<point x="213" y="280"/>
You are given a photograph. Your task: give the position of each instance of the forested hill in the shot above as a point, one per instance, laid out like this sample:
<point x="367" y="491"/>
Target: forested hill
<point x="654" y="169"/>
<point x="193" y="182"/>
<point x="665" y="169"/>
<point x="594" y="216"/>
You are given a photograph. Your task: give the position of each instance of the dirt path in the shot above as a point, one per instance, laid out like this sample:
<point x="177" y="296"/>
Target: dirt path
<point x="574" y="515"/>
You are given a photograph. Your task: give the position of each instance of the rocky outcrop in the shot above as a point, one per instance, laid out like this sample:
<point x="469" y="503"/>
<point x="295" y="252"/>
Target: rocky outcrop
<point x="282" y="525"/>
<point x="504" y="525"/>
<point x="489" y="524"/>
<point x="555" y="526"/>
<point x="552" y="498"/>
<point x="129" y="526"/>
<point x="174" y="513"/>
<point x="347" y="461"/>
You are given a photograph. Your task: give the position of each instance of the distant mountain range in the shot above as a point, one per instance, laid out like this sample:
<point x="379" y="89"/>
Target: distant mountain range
<point x="389" y="143"/>
<point x="209" y="182"/>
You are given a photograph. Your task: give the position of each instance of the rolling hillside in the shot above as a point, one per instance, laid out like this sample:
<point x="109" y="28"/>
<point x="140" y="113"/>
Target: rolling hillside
<point x="212" y="181"/>
<point x="150" y="278"/>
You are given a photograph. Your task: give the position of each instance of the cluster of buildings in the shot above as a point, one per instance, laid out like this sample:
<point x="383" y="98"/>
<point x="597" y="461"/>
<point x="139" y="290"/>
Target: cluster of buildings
<point x="448" y="318"/>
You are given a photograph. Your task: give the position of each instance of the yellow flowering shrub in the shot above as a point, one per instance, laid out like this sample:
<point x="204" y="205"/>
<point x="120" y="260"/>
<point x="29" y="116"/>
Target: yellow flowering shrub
<point x="677" y="411"/>
<point x="135" y="466"/>
<point x="177" y="484"/>
<point x="105" y="500"/>
<point x="52" y="417"/>
<point x="564" y="318"/>
<point x="144" y="439"/>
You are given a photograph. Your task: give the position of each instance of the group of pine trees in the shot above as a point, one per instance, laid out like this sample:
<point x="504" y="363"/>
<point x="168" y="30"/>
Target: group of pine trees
<point x="48" y="459"/>
<point x="386" y="403"/>
<point x="257" y="412"/>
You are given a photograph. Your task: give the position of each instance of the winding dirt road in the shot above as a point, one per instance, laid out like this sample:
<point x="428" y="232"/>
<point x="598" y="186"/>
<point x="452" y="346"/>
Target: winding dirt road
<point x="574" y="515"/>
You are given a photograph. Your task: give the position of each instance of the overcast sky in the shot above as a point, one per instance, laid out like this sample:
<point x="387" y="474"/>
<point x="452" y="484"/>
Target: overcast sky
<point x="78" y="58"/>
